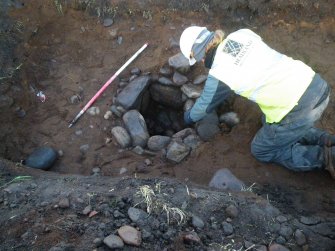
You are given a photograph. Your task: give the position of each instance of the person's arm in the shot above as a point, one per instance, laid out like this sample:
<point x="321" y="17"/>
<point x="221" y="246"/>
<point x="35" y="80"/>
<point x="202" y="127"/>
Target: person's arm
<point x="214" y="93"/>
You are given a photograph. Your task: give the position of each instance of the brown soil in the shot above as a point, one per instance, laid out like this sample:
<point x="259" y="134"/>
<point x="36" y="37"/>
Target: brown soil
<point x="74" y="53"/>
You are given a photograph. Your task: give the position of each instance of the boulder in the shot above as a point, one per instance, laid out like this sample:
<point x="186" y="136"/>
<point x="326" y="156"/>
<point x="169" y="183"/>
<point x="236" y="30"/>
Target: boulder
<point x="130" y="235"/>
<point x="177" y="151"/>
<point x="158" y="142"/>
<point x="136" y="127"/>
<point x="121" y="136"/>
<point x="42" y="158"/>
<point x="180" y="63"/>
<point x="130" y="97"/>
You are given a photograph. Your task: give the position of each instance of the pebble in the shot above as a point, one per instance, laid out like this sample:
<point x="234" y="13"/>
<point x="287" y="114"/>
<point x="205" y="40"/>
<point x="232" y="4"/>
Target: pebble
<point x="135" y="71"/>
<point x="119" y="40"/>
<point x="114" y="109"/>
<point x="231" y="119"/>
<point x="165" y="81"/>
<point x="64" y="203"/>
<point x="197" y="222"/>
<point x="75" y="99"/>
<point x="108" y="22"/>
<point x="280" y="240"/>
<point x="148" y="162"/>
<point x="97" y="242"/>
<point x="224" y="179"/>
<point x="136" y="214"/>
<point x="123" y="170"/>
<point x="96" y="170"/>
<point x="20" y="113"/>
<point x="78" y="132"/>
<point x="191" y="237"/>
<point x="227" y="228"/>
<point x="300" y="238"/>
<point x="84" y="148"/>
<point x="138" y="150"/>
<point x="130" y="235"/>
<point x="93" y="111"/>
<point x="113" y="32"/>
<point x="60" y="153"/>
<point x="87" y="210"/>
<point x="112" y="241"/>
<point x="108" y="114"/>
<point x="232" y="211"/>
<point x="277" y="247"/>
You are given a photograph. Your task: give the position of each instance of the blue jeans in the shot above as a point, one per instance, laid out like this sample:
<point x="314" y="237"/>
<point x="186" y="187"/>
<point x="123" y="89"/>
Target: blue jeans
<point x="294" y="142"/>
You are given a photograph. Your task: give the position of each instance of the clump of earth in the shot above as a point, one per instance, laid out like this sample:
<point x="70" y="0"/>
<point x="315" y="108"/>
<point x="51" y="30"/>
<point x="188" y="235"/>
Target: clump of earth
<point x="130" y="175"/>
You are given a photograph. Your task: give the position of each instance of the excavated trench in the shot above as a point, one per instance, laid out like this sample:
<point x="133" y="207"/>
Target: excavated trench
<point x="68" y="54"/>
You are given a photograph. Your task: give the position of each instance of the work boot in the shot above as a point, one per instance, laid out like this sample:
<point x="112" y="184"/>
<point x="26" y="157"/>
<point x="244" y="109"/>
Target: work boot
<point x="330" y="160"/>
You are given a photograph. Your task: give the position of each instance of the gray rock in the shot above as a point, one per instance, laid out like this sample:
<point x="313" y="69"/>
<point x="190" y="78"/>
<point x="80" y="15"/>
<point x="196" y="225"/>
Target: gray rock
<point x="197" y="222"/>
<point x="84" y="148"/>
<point x="165" y="81"/>
<point x="230" y="119"/>
<point x="112" y="241"/>
<point x="93" y="110"/>
<point x="64" y="203"/>
<point x="180" y="63"/>
<point x="277" y="247"/>
<point x="97" y="242"/>
<point x="135" y="71"/>
<point x="223" y="179"/>
<point x="20" y="113"/>
<point x="191" y="237"/>
<point x="5" y="101"/>
<point x="188" y="104"/>
<point x="207" y="131"/>
<point x="309" y="220"/>
<point x="177" y="151"/>
<point x="130" y="235"/>
<point x="191" y="91"/>
<point x="42" y="158"/>
<point x="280" y="240"/>
<point x="108" y="22"/>
<point x="179" y="79"/>
<point x="121" y="136"/>
<point x="138" y="150"/>
<point x="300" y="238"/>
<point x="227" y="228"/>
<point x="130" y="97"/>
<point x="170" y="96"/>
<point x="136" y="214"/>
<point x="281" y="218"/>
<point x="123" y="170"/>
<point x="200" y="79"/>
<point x="165" y="71"/>
<point x="113" y="33"/>
<point x="286" y="232"/>
<point x="87" y="210"/>
<point x="174" y="43"/>
<point x="184" y="133"/>
<point x="192" y="141"/>
<point x="136" y="127"/>
<point x="75" y="99"/>
<point x="158" y="142"/>
<point x="232" y="211"/>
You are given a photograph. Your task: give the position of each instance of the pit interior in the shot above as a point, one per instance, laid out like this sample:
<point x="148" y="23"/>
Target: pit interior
<point x="69" y="52"/>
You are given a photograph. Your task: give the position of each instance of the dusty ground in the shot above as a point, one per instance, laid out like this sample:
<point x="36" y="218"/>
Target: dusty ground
<point x="73" y="53"/>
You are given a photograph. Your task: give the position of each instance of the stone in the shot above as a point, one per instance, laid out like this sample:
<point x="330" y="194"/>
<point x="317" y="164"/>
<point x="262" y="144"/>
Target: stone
<point x="223" y="179"/>
<point x="5" y="101"/>
<point x="191" y="91"/>
<point x="87" y="210"/>
<point x="191" y="237"/>
<point x="232" y="211"/>
<point x="184" y="133"/>
<point x="197" y="222"/>
<point x="93" y="110"/>
<point x="123" y="170"/>
<point x="20" y="113"/>
<point x="280" y="240"/>
<point x="281" y="218"/>
<point x="309" y="220"/>
<point x="113" y="33"/>
<point x="130" y="97"/>
<point x="97" y="242"/>
<point x="179" y="79"/>
<point x="121" y="136"/>
<point x="300" y="238"/>
<point x="207" y="131"/>
<point x="199" y="79"/>
<point x="64" y="203"/>
<point x="192" y="141"/>
<point x="135" y="71"/>
<point x="75" y="99"/>
<point x="227" y="228"/>
<point x="188" y="104"/>
<point x="277" y="247"/>
<point x="136" y="214"/>
<point x="108" y="114"/>
<point x="174" y="43"/>
<point x="165" y="71"/>
<point x="119" y="40"/>
<point x="136" y="127"/>
<point x="230" y="119"/>
<point x="112" y="241"/>
<point x="177" y="151"/>
<point x="115" y="111"/>
<point x="158" y="142"/>
<point x="42" y="158"/>
<point x="180" y="63"/>
<point x="170" y="96"/>
<point x="138" y="150"/>
<point x="286" y="231"/>
<point x="130" y="235"/>
<point x="84" y="148"/>
<point x="165" y="81"/>
<point x="108" y="22"/>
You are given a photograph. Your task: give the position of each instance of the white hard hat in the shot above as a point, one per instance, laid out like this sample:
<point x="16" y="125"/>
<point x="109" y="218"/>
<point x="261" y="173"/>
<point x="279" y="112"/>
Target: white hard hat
<point x="187" y="40"/>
